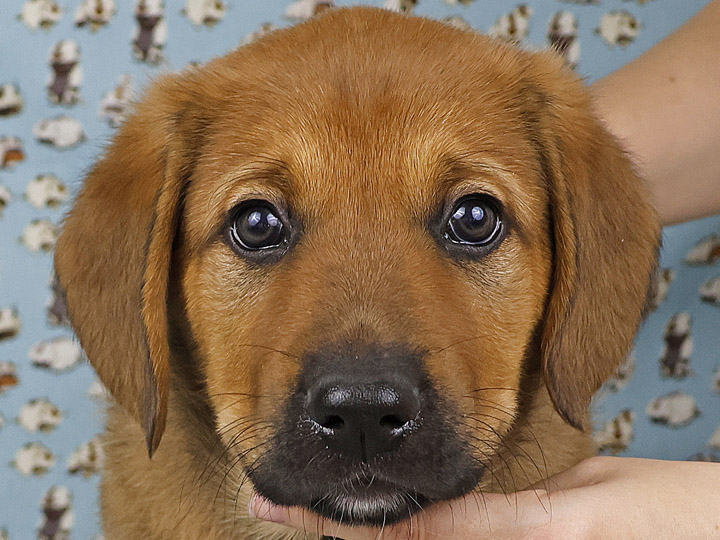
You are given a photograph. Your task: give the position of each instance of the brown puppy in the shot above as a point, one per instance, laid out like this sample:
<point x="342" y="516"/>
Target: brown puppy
<point x="364" y="264"/>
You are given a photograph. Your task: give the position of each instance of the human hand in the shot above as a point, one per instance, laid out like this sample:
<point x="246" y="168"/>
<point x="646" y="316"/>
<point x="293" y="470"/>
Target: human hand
<point x="601" y="498"/>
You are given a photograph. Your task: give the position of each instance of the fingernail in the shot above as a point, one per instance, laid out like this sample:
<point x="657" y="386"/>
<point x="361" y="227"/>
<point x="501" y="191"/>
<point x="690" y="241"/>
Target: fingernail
<point x="261" y="508"/>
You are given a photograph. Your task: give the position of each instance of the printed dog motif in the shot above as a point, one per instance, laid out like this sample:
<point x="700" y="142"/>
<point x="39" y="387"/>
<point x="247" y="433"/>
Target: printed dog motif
<point x="46" y="191"/>
<point x="58" y="515"/>
<point x="563" y="36"/>
<point x="8" y="375"/>
<point x="40" y="415"/>
<point x="301" y="10"/>
<point x="458" y="22"/>
<point x="714" y="442"/>
<point x="664" y="279"/>
<point x="264" y="30"/>
<point x="115" y="106"/>
<point x="676" y="409"/>
<point x="11" y="101"/>
<point x="401" y="6"/>
<point x="515" y="25"/>
<point x="56" y="309"/>
<point x="39" y="235"/>
<point x="151" y="33"/>
<point x="412" y="258"/>
<point x="33" y="459"/>
<point x="66" y="77"/>
<point x="5" y="198"/>
<point x="706" y="251"/>
<point x="9" y="322"/>
<point x="11" y="151"/>
<point x="58" y="355"/>
<point x="675" y="360"/>
<point x="710" y="291"/>
<point x="207" y="12"/>
<point x="617" y="434"/>
<point x="61" y="132"/>
<point x="88" y="459"/>
<point x="95" y="13"/>
<point x="40" y="14"/>
<point x="618" y="28"/>
<point x="622" y="375"/>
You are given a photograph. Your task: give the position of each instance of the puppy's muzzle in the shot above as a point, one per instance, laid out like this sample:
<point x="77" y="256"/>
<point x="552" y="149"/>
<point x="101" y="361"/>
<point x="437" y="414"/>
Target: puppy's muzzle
<point x="363" y="412"/>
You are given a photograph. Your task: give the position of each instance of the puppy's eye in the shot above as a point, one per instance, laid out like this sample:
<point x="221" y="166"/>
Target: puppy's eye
<point x="256" y="225"/>
<point x="474" y="221"/>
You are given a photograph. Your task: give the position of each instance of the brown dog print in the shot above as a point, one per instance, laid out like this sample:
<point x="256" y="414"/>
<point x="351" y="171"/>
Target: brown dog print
<point x="710" y="291"/>
<point x="677" y="353"/>
<point x="675" y="410"/>
<point x="151" y="32"/>
<point x="66" y="73"/>
<point x="40" y="14"/>
<point x="10" y="323"/>
<point x="11" y="151"/>
<point x="11" y="100"/>
<point x="58" y="517"/>
<point x="618" y="28"/>
<point x="40" y="415"/>
<point x="95" y="13"/>
<point x="33" y="459"/>
<point x="5" y="198"/>
<point x="46" y="191"/>
<point x="706" y="251"/>
<point x="513" y="26"/>
<point x="302" y="10"/>
<point x="616" y="434"/>
<point x="563" y="36"/>
<point x="205" y="12"/>
<point x="87" y="459"/>
<point x="8" y="376"/>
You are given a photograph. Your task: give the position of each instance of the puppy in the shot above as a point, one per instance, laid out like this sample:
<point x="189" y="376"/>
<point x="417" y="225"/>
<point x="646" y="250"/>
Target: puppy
<point x="362" y="265"/>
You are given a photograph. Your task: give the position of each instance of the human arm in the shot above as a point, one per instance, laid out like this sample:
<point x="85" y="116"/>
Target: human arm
<point x="665" y="109"/>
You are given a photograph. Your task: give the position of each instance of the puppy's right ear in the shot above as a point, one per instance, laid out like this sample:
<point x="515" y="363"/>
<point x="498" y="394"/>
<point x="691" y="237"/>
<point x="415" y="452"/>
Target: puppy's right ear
<point x="113" y="257"/>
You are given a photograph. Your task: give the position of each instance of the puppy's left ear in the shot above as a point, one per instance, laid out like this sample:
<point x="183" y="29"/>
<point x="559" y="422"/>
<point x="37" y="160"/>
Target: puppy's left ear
<point x="113" y="256"/>
<point x="605" y="237"/>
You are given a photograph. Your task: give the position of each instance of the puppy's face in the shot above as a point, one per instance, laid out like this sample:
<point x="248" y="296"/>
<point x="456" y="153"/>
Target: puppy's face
<point x="364" y="283"/>
<point x="375" y="246"/>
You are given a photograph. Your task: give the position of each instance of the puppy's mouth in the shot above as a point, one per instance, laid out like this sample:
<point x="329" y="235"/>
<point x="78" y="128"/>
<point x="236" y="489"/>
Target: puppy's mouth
<point x="369" y="501"/>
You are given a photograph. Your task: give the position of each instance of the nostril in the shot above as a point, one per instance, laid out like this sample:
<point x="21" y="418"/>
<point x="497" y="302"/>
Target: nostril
<point x="392" y="421"/>
<point x="332" y="421"/>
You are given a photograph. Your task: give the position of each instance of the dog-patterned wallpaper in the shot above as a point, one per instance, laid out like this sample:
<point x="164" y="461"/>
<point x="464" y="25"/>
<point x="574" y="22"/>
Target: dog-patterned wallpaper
<point x="69" y="68"/>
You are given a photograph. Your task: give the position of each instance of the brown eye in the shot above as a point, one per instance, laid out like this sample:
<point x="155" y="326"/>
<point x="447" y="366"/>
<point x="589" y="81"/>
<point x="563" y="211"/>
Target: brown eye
<point x="256" y="226"/>
<point x="474" y="221"/>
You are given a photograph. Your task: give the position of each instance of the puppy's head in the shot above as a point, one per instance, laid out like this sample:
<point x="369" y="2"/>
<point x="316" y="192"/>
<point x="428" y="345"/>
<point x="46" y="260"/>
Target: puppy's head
<point x="375" y="228"/>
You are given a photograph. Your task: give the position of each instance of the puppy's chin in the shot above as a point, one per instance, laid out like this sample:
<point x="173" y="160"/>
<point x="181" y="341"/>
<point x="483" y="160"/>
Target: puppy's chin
<point x="375" y="504"/>
<point x="364" y="497"/>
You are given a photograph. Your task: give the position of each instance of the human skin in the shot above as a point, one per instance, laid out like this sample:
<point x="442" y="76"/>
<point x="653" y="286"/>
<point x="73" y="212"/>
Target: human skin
<point x="665" y="109"/>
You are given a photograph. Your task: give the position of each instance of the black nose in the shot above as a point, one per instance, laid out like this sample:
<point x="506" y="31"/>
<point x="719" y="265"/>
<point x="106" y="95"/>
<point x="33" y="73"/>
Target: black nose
<point x="362" y="415"/>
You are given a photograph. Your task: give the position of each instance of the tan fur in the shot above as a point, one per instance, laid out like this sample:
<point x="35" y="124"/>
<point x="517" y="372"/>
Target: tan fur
<point x="364" y="122"/>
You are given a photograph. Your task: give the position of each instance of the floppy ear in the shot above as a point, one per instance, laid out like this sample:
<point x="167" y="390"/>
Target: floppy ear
<point x="113" y="258"/>
<point x="605" y="237"/>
